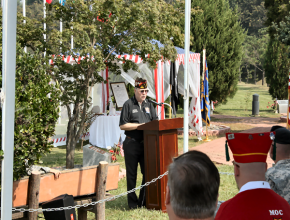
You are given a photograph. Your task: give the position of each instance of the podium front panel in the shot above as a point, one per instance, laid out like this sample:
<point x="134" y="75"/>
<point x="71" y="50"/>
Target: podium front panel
<point x="151" y="140"/>
<point x="160" y="148"/>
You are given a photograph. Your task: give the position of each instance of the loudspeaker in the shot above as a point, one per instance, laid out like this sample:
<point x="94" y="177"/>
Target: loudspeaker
<point x="60" y="201"/>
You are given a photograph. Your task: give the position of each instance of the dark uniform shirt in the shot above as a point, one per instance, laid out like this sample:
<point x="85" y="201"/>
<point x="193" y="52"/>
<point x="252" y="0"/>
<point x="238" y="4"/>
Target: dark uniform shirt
<point x="132" y="113"/>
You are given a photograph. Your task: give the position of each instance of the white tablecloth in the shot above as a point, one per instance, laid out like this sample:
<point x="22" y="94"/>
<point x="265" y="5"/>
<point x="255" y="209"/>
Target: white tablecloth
<point x="105" y="131"/>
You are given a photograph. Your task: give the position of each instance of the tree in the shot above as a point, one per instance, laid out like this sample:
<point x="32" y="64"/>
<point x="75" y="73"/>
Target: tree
<point x="277" y="69"/>
<point x="255" y="48"/>
<point x="102" y="29"/>
<point x="218" y="30"/>
<point x="36" y="105"/>
<point x="277" y="61"/>
<point x="252" y="14"/>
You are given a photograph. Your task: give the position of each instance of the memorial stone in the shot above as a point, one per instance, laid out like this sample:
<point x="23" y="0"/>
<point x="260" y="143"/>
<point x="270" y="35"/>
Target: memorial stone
<point x="93" y="155"/>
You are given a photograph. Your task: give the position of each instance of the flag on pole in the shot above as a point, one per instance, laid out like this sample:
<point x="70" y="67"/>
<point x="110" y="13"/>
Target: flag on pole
<point x="120" y="145"/>
<point x="174" y="83"/>
<point x="205" y="105"/>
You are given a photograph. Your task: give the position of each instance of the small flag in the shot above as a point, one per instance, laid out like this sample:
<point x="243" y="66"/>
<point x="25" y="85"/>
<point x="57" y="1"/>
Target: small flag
<point x="205" y="105"/>
<point x="48" y="1"/>
<point x="120" y="145"/>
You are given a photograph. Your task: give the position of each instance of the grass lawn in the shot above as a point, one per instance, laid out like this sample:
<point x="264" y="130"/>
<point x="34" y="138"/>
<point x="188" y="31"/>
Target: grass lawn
<point x="241" y="104"/>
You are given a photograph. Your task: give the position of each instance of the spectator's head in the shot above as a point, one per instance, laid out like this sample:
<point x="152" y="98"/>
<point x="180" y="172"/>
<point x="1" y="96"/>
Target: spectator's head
<point x="250" y="153"/>
<point x="141" y="89"/>
<point x="192" y="189"/>
<point x="282" y="138"/>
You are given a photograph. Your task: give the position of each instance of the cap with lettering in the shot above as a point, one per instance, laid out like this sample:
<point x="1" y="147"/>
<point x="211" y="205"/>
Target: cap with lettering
<point x="249" y="148"/>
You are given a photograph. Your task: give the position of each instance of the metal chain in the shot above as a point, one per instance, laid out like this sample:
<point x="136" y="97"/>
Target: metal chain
<point x="94" y="203"/>
<point x="88" y="204"/>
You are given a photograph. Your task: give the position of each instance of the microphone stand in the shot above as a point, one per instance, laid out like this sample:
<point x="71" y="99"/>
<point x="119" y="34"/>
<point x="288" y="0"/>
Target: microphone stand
<point x="160" y="104"/>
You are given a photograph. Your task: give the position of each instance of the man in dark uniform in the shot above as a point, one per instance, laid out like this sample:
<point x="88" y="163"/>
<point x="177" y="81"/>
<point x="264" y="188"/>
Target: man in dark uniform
<point x="136" y="111"/>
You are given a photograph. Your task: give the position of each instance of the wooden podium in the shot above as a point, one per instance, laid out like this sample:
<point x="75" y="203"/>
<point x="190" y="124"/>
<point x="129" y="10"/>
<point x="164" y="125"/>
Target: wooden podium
<point x="160" y="146"/>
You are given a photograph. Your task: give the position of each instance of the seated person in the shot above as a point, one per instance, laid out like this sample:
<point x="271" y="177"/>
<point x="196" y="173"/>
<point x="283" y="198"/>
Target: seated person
<point x="192" y="189"/>
<point x="255" y="199"/>
<point x="279" y="176"/>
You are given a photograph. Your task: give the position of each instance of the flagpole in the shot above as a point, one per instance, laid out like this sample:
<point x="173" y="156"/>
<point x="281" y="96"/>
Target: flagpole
<point x="9" y="9"/>
<point x="44" y="24"/>
<point x="186" y="62"/>
<point x="24" y="21"/>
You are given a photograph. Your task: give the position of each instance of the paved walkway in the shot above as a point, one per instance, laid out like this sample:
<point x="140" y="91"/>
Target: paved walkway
<point x="216" y="149"/>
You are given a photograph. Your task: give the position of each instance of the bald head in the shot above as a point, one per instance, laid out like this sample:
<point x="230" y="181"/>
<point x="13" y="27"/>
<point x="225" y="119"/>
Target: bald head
<point x="247" y="172"/>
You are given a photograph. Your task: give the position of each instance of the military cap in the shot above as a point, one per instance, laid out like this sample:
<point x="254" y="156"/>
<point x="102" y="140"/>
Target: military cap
<point x="249" y="148"/>
<point x="141" y="83"/>
<point x="282" y="134"/>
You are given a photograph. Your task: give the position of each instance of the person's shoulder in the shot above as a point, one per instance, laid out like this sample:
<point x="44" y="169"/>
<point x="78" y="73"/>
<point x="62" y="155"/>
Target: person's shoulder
<point x="130" y="101"/>
<point x="280" y="170"/>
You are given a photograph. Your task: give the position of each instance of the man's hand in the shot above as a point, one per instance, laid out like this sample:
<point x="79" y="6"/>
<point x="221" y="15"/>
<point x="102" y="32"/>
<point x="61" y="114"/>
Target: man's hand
<point x="55" y="172"/>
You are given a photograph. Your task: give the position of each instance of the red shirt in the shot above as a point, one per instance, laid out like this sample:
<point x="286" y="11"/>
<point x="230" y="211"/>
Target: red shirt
<point x="255" y="203"/>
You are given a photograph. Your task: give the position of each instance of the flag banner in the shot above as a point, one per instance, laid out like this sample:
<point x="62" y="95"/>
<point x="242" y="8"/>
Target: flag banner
<point x="174" y="87"/>
<point x="205" y="104"/>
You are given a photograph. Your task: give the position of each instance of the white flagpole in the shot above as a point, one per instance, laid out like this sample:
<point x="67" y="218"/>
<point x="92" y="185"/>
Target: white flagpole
<point x="9" y="9"/>
<point x="186" y="62"/>
<point x="24" y="21"/>
<point x="44" y="24"/>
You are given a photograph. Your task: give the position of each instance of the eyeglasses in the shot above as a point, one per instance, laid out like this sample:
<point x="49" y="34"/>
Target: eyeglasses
<point x="144" y="91"/>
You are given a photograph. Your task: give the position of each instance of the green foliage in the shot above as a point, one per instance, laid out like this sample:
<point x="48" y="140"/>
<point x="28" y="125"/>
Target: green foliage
<point x="36" y="105"/>
<point x="36" y="111"/>
<point x="277" y="69"/>
<point x="277" y="10"/>
<point x="252" y="14"/>
<point x="218" y="30"/>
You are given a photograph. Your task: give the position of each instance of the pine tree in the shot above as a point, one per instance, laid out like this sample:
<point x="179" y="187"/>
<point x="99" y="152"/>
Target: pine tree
<point x="217" y="29"/>
<point x="277" y="60"/>
<point x="277" y="66"/>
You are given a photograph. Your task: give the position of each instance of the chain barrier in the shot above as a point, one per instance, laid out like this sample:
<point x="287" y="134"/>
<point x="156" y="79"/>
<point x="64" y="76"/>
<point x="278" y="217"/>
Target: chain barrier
<point x="96" y="202"/>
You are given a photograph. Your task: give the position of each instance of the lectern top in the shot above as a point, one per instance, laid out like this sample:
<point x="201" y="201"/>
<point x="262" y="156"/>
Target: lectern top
<point x="161" y="125"/>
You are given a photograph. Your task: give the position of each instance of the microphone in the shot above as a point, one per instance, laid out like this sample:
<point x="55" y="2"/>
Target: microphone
<point x="160" y="104"/>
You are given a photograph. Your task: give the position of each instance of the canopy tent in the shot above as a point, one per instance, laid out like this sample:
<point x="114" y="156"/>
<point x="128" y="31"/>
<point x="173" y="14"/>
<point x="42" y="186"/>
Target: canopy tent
<point x="157" y="81"/>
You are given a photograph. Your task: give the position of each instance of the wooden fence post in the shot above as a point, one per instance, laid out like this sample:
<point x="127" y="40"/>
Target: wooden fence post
<point x="33" y="194"/>
<point x="101" y="182"/>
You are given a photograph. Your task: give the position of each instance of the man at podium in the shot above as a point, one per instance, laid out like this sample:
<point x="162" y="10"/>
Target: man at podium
<point x="136" y="111"/>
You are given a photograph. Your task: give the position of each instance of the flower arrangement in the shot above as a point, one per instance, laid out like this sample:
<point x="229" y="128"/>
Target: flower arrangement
<point x="114" y="151"/>
<point x="273" y="106"/>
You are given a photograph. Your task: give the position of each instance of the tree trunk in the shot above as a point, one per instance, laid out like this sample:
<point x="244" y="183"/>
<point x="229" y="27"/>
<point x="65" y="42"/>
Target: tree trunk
<point x="70" y="145"/>
<point x="255" y="76"/>
<point x="263" y="78"/>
